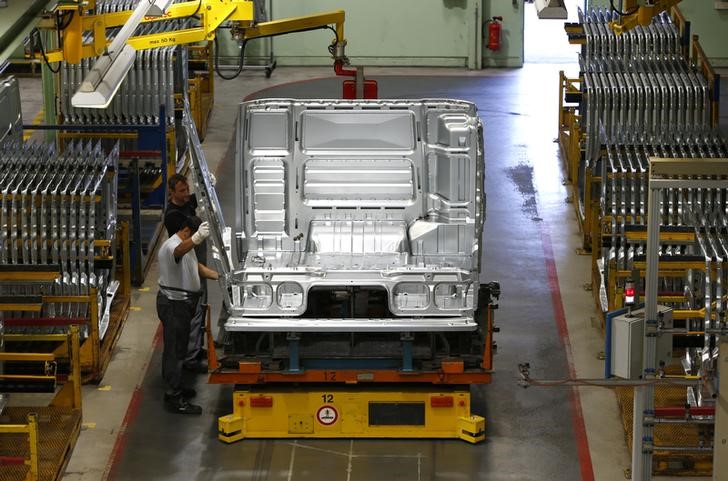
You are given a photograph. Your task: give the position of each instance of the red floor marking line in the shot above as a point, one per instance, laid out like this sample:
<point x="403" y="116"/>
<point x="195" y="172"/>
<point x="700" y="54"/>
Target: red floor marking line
<point x="122" y="437"/>
<point x="577" y="416"/>
<point x="132" y="411"/>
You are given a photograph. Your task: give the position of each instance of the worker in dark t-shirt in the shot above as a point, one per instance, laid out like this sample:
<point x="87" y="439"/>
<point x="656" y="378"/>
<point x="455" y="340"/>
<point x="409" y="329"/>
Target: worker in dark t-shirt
<point x="181" y="204"/>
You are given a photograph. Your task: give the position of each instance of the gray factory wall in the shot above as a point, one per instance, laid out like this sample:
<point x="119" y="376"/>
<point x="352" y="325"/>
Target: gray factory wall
<point x="712" y="27"/>
<point x="381" y="32"/>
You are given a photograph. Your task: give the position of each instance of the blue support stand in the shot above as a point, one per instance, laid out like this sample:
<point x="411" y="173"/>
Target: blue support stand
<point x="294" y="360"/>
<point x="407" y="362"/>
<point x="137" y="269"/>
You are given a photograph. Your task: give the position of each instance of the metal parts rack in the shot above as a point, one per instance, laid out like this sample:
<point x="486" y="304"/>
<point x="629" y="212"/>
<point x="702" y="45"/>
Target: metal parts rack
<point x="58" y="262"/>
<point x="36" y="442"/>
<point x="640" y="87"/>
<point x="633" y="84"/>
<point x="677" y="174"/>
<point x="140" y="199"/>
<point x="641" y="96"/>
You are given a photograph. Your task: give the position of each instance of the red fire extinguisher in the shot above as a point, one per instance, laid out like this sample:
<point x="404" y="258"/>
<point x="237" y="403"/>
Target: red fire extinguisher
<point x="494" y="33"/>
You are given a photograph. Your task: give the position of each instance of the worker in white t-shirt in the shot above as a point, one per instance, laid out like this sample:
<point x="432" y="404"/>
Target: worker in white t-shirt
<point x="179" y="291"/>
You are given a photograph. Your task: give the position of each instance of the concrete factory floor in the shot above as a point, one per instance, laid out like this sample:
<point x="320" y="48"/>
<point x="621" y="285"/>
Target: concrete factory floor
<point x="546" y="318"/>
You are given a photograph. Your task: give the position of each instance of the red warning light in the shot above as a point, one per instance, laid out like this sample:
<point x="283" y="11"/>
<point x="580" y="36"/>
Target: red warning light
<point x="629" y="294"/>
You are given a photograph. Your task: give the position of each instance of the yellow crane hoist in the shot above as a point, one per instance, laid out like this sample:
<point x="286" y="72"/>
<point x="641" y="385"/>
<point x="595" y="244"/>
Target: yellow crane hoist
<point x="638" y="12"/>
<point x="74" y="20"/>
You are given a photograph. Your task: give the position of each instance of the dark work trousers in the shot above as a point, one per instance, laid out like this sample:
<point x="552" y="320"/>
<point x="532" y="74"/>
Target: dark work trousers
<point x="197" y="327"/>
<point x="221" y="320"/>
<point x="176" y="317"/>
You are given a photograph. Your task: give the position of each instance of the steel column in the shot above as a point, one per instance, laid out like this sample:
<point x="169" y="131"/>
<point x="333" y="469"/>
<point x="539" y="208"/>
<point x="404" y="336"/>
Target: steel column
<point x="663" y="174"/>
<point x="644" y="396"/>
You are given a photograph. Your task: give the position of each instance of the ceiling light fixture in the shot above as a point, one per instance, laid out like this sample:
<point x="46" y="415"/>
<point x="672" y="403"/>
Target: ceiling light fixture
<point x="159" y="7"/>
<point x="103" y="81"/>
<point x="551" y="9"/>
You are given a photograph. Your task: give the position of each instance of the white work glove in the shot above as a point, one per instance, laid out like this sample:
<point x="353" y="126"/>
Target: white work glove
<point x="202" y="233"/>
<point x="213" y="179"/>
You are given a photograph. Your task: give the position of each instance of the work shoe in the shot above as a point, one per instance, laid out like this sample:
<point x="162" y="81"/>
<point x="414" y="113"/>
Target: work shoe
<point x="198" y="367"/>
<point x="180" y="405"/>
<point x="188" y="392"/>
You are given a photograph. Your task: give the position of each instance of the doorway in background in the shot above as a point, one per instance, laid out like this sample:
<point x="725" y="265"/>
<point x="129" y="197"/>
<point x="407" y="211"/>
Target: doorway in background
<point x="545" y="41"/>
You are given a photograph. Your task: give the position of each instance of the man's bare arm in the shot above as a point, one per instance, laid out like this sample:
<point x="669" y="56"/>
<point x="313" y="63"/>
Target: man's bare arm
<point x="183" y="248"/>
<point x="206" y="272"/>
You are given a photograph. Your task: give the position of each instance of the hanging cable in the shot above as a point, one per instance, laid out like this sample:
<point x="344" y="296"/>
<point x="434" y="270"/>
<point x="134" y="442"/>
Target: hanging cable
<point x="36" y="34"/>
<point x="59" y="20"/>
<point x="61" y="26"/>
<point x="241" y="61"/>
<point x="332" y="47"/>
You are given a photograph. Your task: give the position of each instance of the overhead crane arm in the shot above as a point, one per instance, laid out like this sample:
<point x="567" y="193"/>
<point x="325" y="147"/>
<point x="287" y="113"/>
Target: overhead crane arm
<point x="116" y="57"/>
<point x="633" y="13"/>
<point x="639" y="12"/>
<point x="212" y="14"/>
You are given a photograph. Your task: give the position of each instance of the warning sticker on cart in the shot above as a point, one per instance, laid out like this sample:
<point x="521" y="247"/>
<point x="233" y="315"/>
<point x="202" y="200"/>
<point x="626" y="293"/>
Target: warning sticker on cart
<point x="327" y="415"/>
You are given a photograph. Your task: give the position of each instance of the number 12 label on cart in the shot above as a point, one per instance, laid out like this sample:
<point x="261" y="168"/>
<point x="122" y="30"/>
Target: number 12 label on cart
<point x="327" y="415"/>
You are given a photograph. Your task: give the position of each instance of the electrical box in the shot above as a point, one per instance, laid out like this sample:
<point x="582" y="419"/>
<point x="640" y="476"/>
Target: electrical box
<point x="627" y="338"/>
